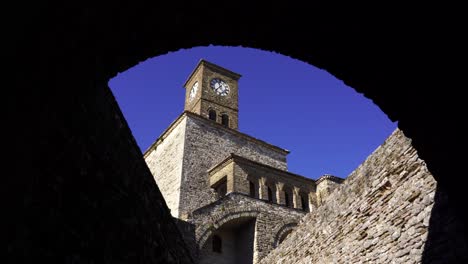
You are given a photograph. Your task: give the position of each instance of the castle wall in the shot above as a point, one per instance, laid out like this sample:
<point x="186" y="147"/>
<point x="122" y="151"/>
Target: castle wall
<point x="165" y="163"/>
<point x="208" y="144"/>
<point x="324" y="189"/>
<point x="380" y="214"/>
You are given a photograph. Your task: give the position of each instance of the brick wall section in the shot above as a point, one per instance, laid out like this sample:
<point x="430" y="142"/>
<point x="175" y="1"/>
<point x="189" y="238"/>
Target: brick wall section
<point x="380" y="214"/>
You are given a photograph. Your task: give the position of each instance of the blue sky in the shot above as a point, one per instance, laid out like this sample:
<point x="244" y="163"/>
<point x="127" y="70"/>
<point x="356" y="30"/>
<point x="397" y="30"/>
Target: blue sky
<point x="327" y="126"/>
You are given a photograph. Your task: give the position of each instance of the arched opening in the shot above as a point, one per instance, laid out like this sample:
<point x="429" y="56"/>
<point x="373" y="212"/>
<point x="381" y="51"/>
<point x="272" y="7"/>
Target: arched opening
<point x="225" y="120"/>
<point x="286" y="199"/>
<point x="212" y="115"/>
<point x="217" y="244"/>
<point x="270" y="194"/>
<point x="252" y="189"/>
<point x="230" y="243"/>
<point x="305" y="203"/>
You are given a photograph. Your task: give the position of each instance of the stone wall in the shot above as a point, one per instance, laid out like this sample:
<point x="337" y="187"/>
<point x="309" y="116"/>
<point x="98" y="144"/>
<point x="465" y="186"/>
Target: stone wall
<point x="87" y="194"/>
<point x="325" y="187"/>
<point x="165" y="163"/>
<point x="181" y="157"/>
<point x="207" y="144"/>
<point x="270" y="220"/>
<point x="380" y="214"/>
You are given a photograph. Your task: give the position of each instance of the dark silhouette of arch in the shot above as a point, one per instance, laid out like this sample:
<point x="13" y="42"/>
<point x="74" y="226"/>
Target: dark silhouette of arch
<point x="82" y="52"/>
<point x="283" y="232"/>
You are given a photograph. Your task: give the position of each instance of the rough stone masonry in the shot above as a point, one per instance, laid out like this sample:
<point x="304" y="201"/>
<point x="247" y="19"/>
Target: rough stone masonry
<point x="380" y="214"/>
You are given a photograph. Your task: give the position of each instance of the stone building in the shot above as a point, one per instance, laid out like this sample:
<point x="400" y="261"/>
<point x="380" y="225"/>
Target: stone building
<point x="233" y="197"/>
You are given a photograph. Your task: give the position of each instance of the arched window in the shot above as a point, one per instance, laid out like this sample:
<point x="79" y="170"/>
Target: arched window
<point x="225" y="120"/>
<point x="270" y="194"/>
<point x="217" y="244"/>
<point x="212" y="115"/>
<point x="305" y="204"/>
<point x="286" y="198"/>
<point x="252" y="189"/>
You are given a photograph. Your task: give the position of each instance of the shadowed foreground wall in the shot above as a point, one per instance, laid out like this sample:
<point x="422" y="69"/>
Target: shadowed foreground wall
<point x="89" y="197"/>
<point x="380" y="214"/>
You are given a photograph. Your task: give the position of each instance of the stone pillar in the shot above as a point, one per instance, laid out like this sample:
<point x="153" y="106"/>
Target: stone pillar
<point x="312" y="201"/>
<point x="262" y="189"/>
<point x="280" y="193"/>
<point x="230" y="183"/>
<point x="319" y="198"/>
<point x="297" y="198"/>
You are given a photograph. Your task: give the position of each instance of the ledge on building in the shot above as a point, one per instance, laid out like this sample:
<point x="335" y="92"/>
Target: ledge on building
<point x="330" y="178"/>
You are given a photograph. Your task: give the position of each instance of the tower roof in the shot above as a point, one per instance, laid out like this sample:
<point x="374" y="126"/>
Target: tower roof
<point x="215" y="67"/>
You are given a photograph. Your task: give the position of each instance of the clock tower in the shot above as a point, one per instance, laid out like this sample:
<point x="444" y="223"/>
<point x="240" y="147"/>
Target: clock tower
<point x="212" y="92"/>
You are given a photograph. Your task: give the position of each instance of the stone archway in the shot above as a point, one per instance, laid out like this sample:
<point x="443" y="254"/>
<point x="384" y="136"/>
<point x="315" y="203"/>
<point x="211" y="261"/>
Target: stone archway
<point x="229" y="240"/>
<point x="269" y="219"/>
<point x="281" y="234"/>
<point x="207" y="230"/>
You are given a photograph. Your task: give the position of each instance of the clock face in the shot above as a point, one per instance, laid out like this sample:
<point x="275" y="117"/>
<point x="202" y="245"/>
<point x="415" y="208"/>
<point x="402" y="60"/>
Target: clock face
<point x="219" y="86"/>
<point x="193" y="91"/>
